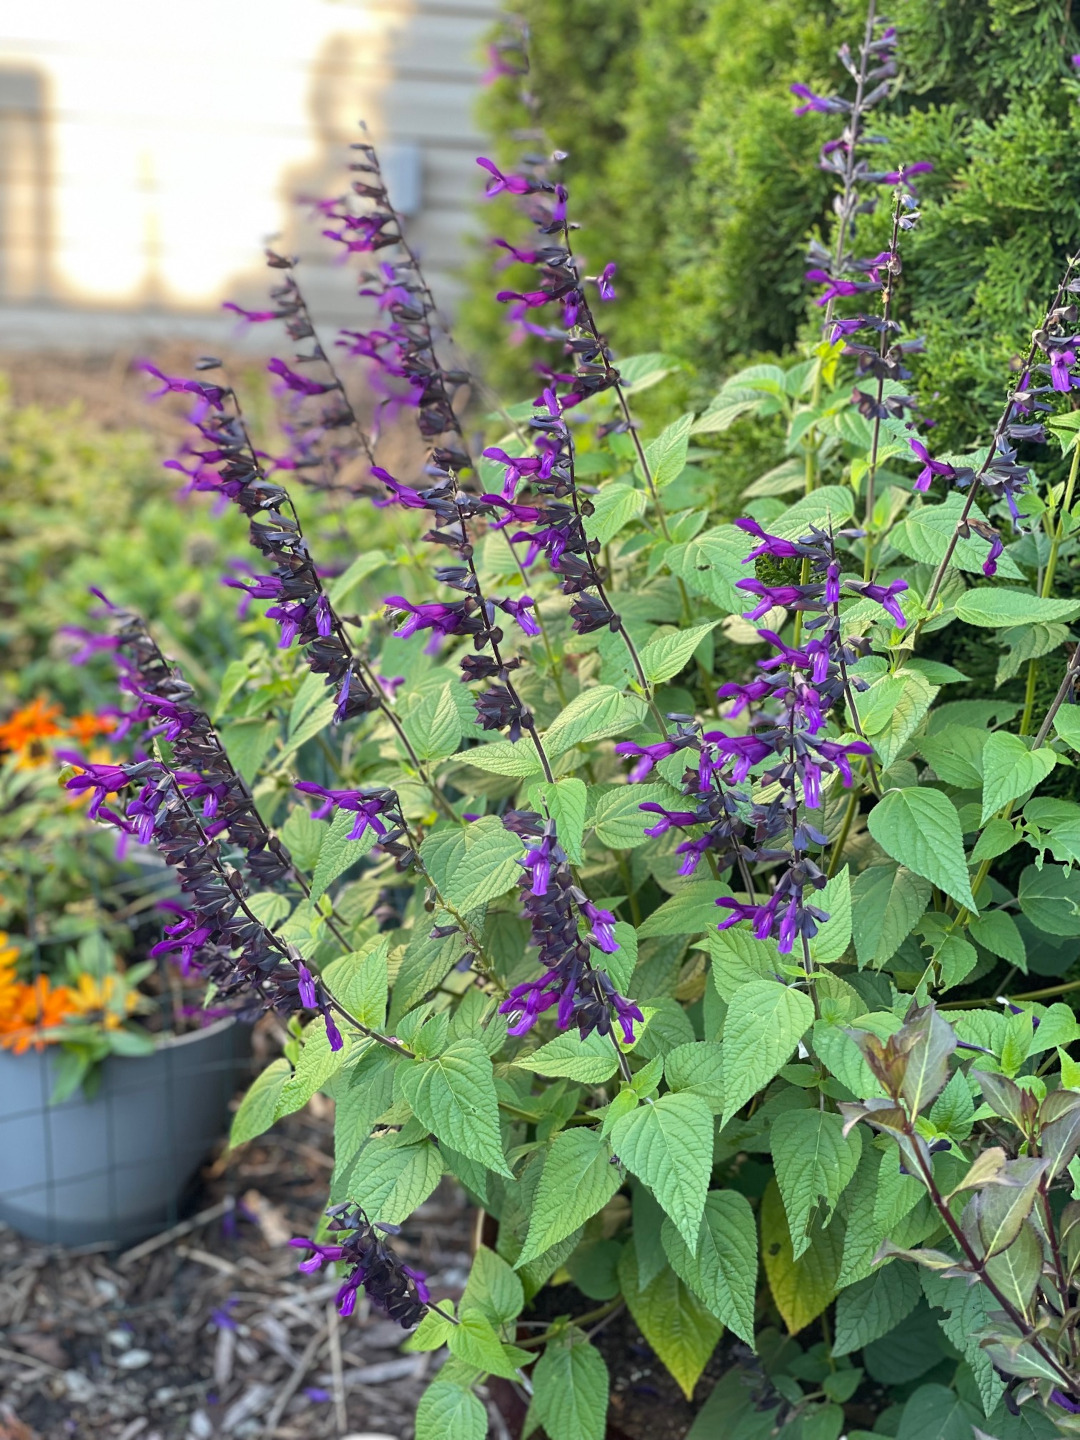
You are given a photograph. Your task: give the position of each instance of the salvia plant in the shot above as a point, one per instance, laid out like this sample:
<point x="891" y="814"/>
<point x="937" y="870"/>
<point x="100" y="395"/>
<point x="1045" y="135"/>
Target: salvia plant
<point x="638" y="854"/>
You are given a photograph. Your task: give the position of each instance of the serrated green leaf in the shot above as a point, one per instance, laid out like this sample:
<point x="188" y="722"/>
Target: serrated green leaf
<point x="570" y="1389"/>
<point x="614" y="506"/>
<point x="872" y="1307"/>
<point x="450" y="1412"/>
<point x="433" y="723"/>
<point x="673" y="1320"/>
<point x="668" y="1145"/>
<point x="737" y="956"/>
<point x="995" y="608"/>
<point x="966" y="1317"/>
<point x="995" y="930"/>
<point x="711" y="563"/>
<point x="813" y="1161"/>
<point x="389" y="1180"/>
<point x="667" y="453"/>
<point x="801" y="1288"/>
<point x="315" y="721"/>
<point x="337" y="852"/>
<point x="955" y="752"/>
<point x="1011" y="769"/>
<point x="907" y="712"/>
<point x="825" y="506"/>
<point x="834" y="935"/>
<point x="578" y="1179"/>
<point x="666" y="655"/>
<point x="1027" y="642"/>
<point x="592" y="1060"/>
<point x="359" y="982"/>
<point x="999" y="837"/>
<point x="493" y="1288"/>
<point x="920" y="828"/>
<point x="232" y="682"/>
<point x="764" y="1023"/>
<point x="454" y="1096"/>
<point x="723" y="1273"/>
<point x="937" y="1413"/>
<point x="1050" y="898"/>
<point x="363" y="1090"/>
<point x="699" y="1068"/>
<point x="474" y="863"/>
<point x="317" y="1064"/>
<point x="619" y="821"/>
<point x="503" y="757"/>
<point x="258" y="1108"/>
<point x="473" y="1340"/>
<point x="689" y="911"/>
<point x="927" y="531"/>
<point x="248" y="742"/>
<point x="593" y="715"/>
<point x="887" y="902"/>
<point x="566" y="801"/>
<point x="1067" y="725"/>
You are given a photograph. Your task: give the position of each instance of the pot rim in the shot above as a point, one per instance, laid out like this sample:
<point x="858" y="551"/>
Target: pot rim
<point x="162" y="1041"/>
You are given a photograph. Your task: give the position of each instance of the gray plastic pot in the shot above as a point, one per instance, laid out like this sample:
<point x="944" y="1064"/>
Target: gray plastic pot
<point x="113" y="1168"/>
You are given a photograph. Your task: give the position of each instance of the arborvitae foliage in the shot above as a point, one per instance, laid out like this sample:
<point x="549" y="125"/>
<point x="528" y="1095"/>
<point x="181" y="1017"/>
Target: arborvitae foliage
<point x="683" y="144"/>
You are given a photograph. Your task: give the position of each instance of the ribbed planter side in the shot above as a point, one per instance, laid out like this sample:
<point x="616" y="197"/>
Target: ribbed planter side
<point x="112" y="1169"/>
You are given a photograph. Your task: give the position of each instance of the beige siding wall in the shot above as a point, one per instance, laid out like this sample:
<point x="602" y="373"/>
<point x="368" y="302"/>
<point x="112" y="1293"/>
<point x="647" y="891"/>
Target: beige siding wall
<point x="148" y="149"/>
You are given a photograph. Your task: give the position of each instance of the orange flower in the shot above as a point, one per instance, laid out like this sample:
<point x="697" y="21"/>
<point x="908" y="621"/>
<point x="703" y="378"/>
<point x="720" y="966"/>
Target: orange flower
<point x="38" y="1008"/>
<point x="25" y="733"/>
<point x="86" y="727"/>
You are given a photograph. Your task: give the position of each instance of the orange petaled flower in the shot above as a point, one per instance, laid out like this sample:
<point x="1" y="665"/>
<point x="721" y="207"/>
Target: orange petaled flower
<point x="25" y="733"/>
<point x="38" y="1008"/>
<point x="88" y="726"/>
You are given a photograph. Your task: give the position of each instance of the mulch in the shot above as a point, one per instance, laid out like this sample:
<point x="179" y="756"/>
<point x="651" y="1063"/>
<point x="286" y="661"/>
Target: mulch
<point x="209" y="1330"/>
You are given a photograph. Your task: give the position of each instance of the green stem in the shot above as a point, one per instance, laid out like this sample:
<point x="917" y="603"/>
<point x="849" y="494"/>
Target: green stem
<point x="1061" y="520"/>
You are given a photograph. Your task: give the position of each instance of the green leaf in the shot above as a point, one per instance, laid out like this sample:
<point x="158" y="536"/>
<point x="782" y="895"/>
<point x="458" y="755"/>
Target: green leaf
<point x="699" y="1068"/>
<point x="723" y="1273"/>
<point x="667" y="453"/>
<point x="232" y="682"/>
<point x="689" y="911"/>
<point x="566" y="802"/>
<point x="1067" y="725"/>
<point x="737" y="956"/>
<point x="711" y="563"/>
<point x="955" y="752"/>
<point x="592" y="1060"/>
<point x="390" y="1180"/>
<point x="450" y="1412"/>
<point x="363" y="1090"/>
<point x="1050" y="898"/>
<point x="906" y="713"/>
<point x="433" y="723"/>
<point x="248" y="743"/>
<point x="764" y="1023"/>
<point x="887" y="902"/>
<point x="593" y="715"/>
<point x="872" y="1307"/>
<point x="1011" y="769"/>
<point x="665" y="656"/>
<point x="1027" y="642"/>
<point x="833" y="936"/>
<point x="358" y="981"/>
<point x="936" y="1413"/>
<point x="313" y="722"/>
<point x="613" y="507"/>
<point x="642" y="372"/>
<point x="927" y="531"/>
<point x="503" y="757"/>
<point x="454" y="1096"/>
<point x="493" y="1288"/>
<point x="995" y="930"/>
<point x="920" y="828"/>
<point x="570" y="1389"/>
<point x="340" y="589"/>
<point x="474" y="1341"/>
<point x="316" y="1065"/>
<point x="673" y="1320"/>
<point x="801" y="1288"/>
<point x="473" y="864"/>
<point x="577" y="1181"/>
<point x="994" y="608"/>
<point x="337" y="852"/>
<point x="722" y="414"/>
<point x="828" y="504"/>
<point x="999" y="837"/>
<point x="966" y="1317"/>
<point x="619" y="821"/>
<point x="258" y="1109"/>
<point x="668" y="1145"/>
<point x="813" y="1161"/>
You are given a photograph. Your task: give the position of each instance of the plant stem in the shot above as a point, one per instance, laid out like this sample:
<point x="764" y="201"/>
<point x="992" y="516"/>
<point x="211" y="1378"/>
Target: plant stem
<point x="1046" y="589"/>
<point x="883" y="346"/>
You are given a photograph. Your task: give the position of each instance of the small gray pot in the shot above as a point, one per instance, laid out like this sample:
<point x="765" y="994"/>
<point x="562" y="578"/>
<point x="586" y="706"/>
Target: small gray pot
<point x="113" y="1169"/>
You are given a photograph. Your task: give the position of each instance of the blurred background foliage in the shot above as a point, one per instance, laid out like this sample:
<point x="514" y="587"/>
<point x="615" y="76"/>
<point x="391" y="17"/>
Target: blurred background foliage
<point x="687" y="166"/>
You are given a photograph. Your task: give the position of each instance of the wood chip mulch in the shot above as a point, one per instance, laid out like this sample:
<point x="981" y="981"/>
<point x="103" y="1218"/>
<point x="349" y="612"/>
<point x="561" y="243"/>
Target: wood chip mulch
<point x="208" y="1330"/>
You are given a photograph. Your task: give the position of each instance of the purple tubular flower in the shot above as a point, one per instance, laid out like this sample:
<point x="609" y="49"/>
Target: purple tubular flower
<point x="369" y="806"/>
<point x="518" y="610"/>
<point x="602" y="926"/>
<point x="604" y="281"/>
<point x="394" y="1287"/>
<point x="104" y="780"/>
<point x="511" y="184"/>
<point x="649" y="755"/>
<point x="931" y="467"/>
<point x="443" y="619"/>
<point x="770" y="544"/>
<point x="885" y="595"/>
<point x="301" y="384"/>
<point x="819" y="104"/>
